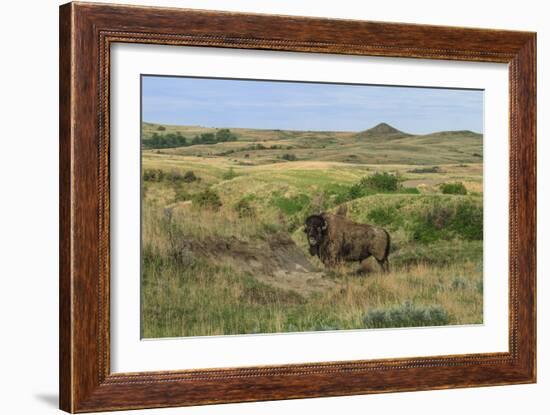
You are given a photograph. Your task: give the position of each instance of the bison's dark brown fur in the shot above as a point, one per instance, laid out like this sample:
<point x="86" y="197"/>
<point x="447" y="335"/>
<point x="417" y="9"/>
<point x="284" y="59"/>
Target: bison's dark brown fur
<point x="334" y="238"/>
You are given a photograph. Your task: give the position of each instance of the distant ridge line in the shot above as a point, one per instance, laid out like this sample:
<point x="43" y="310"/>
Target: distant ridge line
<point x="381" y="130"/>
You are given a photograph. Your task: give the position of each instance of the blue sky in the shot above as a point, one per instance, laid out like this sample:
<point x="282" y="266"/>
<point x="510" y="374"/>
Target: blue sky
<point x="307" y="106"/>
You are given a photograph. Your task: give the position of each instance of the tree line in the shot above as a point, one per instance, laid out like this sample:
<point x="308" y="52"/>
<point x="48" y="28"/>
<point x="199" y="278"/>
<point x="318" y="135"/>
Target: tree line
<point x="176" y="139"/>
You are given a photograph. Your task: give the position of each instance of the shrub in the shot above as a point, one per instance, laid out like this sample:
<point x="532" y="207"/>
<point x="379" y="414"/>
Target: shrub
<point x="468" y="221"/>
<point x="289" y="157"/>
<point x="165" y="140"/>
<point x="174" y="176"/>
<point x="453" y="188"/>
<point x="161" y="128"/>
<point x="208" y="199"/>
<point x="153" y="175"/>
<point x="383" y="215"/>
<point x="356" y="191"/>
<point x="433" y="169"/>
<point x="432" y="224"/>
<point x="189" y="176"/>
<point x="244" y="209"/>
<point x="438" y="221"/>
<point x="381" y="182"/>
<point x="407" y="315"/>
<point x="219" y="136"/>
<point x="224" y="135"/>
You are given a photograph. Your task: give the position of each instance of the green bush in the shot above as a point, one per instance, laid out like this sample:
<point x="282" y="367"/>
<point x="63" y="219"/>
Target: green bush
<point x="153" y="175"/>
<point x="433" y="169"/>
<point x="161" y="128"/>
<point x="174" y="176"/>
<point x="376" y="183"/>
<point x="453" y="188"/>
<point x="432" y="225"/>
<point x="223" y="135"/>
<point x="189" y="176"/>
<point x="165" y="140"/>
<point x="468" y="221"/>
<point x="208" y="199"/>
<point x="289" y="157"/>
<point x="245" y="209"/>
<point x="407" y="315"/>
<point x="220" y="136"/>
<point x="381" y="182"/>
<point x="383" y="216"/>
<point x="439" y="221"/>
<point x="356" y="191"/>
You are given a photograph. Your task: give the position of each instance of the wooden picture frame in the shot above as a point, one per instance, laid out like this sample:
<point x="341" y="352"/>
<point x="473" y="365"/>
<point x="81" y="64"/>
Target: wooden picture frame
<point x="86" y="33"/>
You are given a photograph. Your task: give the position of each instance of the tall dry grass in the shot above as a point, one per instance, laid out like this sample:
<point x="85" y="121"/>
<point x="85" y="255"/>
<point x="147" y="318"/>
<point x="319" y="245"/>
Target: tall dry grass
<point x="201" y="299"/>
<point x="186" y="295"/>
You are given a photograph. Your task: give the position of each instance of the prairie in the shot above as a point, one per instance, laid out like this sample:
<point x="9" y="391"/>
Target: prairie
<point x="223" y="249"/>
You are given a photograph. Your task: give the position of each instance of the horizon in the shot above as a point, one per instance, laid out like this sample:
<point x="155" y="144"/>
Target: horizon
<point x="307" y="106"/>
<point x="321" y="131"/>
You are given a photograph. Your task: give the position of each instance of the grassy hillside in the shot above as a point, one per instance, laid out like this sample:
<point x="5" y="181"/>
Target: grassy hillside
<point x="223" y="247"/>
<point x="381" y="144"/>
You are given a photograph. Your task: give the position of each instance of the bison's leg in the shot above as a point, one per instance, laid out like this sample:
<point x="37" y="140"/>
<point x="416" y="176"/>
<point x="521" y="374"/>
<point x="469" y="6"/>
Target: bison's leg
<point x="329" y="262"/>
<point x="365" y="267"/>
<point x="384" y="264"/>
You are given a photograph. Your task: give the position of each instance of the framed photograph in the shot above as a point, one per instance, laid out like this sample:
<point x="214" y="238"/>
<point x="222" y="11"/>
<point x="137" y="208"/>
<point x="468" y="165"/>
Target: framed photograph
<point x="259" y="207"/>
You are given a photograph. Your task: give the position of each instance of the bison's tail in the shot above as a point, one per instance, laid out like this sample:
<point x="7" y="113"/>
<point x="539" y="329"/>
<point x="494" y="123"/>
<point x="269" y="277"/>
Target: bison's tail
<point x="388" y="243"/>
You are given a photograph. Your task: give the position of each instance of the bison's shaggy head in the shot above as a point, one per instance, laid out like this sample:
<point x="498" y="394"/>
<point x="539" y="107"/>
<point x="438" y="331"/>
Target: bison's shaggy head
<point x="315" y="230"/>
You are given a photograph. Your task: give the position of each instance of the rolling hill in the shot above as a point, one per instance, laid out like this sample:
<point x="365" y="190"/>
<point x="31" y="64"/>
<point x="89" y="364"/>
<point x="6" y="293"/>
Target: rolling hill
<point x="382" y="131"/>
<point x="381" y="144"/>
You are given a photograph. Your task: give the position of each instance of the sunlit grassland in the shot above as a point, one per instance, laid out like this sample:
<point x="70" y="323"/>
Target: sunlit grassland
<point x="216" y="256"/>
<point x="185" y="294"/>
<point x="202" y="299"/>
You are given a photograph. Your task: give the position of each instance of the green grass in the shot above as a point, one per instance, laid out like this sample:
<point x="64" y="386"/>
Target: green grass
<point x="292" y="204"/>
<point x="187" y="294"/>
<point x="431" y="149"/>
<point x="202" y="299"/>
<point x="453" y="189"/>
<point x="212" y="214"/>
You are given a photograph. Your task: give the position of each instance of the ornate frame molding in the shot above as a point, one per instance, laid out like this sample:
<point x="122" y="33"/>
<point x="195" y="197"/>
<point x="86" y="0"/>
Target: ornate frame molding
<point x="87" y="31"/>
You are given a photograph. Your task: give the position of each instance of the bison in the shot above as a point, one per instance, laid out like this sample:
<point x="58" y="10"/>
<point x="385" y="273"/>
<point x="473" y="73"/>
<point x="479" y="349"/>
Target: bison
<point x="334" y="238"/>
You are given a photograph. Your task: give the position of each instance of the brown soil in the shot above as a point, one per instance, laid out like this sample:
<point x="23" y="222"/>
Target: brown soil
<point x="277" y="261"/>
